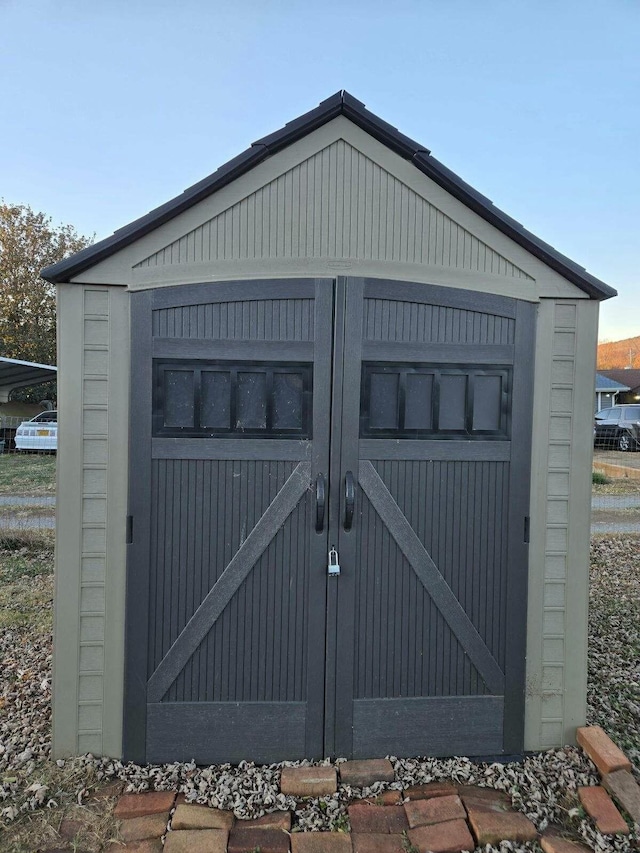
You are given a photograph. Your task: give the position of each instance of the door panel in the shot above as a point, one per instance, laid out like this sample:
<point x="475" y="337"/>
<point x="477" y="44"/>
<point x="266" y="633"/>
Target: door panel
<point x="230" y="406"/>
<point x="437" y="548"/>
<point x="239" y="645"/>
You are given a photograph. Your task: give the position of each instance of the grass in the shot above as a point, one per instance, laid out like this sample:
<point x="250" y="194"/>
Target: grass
<point x="27" y="474"/>
<point x="598" y="478"/>
<point x="26" y="581"/>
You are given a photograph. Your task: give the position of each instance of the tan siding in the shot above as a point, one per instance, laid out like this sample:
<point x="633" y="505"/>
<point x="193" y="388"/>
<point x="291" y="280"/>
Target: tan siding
<point x="559" y="564"/>
<point x="337" y="204"/>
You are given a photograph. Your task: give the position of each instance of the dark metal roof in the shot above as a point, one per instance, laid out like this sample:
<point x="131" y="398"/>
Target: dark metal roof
<point x="22" y="374"/>
<point x="342" y="103"/>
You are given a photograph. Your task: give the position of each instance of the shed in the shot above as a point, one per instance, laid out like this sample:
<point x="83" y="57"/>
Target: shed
<point x="325" y="452"/>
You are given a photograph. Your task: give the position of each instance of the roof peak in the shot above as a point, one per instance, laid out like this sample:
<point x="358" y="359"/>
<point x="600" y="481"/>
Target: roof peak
<point x="340" y="103"/>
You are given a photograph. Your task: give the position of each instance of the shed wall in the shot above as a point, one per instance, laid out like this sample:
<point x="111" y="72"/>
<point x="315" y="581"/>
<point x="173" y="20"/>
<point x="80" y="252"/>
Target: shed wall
<point x="560" y="516"/>
<point x="93" y="357"/>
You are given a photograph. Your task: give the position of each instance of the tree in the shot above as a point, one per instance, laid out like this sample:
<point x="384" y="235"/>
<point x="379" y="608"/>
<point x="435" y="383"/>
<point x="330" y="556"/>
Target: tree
<point x="29" y="242"/>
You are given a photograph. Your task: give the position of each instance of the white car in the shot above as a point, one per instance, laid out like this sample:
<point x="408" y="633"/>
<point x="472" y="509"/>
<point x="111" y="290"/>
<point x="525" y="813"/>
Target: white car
<point x="40" y="433"/>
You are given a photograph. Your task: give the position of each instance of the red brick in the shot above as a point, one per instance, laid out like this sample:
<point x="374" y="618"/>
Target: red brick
<point x="309" y="781"/>
<point x="599" y="806"/>
<point x="320" y="842"/>
<point x="201" y="817"/>
<point x="384" y="819"/>
<point x="385" y="798"/>
<point x="70" y="828"/>
<point x="430" y="789"/>
<point x="147" y="826"/>
<point x="137" y="805"/>
<point x="450" y="837"/>
<point x="602" y="750"/>
<point x="434" y="810"/>
<point x="266" y="840"/>
<point x="624" y="788"/>
<point x="553" y="842"/>
<point x="474" y="795"/>
<point x="196" y="841"/>
<point x="375" y="842"/>
<point x="361" y="774"/>
<point x="272" y="820"/>
<point x="491" y="824"/>
<point x="149" y="845"/>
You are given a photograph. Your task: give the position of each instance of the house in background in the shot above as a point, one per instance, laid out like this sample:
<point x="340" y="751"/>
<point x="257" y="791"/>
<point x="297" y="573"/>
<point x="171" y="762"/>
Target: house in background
<point x="627" y="377"/>
<point x="607" y="391"/>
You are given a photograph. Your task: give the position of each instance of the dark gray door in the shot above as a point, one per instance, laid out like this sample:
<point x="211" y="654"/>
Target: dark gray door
<point x="410" y="405"/>
<point x="226" y="581"/>
<point x="431" y="608"/>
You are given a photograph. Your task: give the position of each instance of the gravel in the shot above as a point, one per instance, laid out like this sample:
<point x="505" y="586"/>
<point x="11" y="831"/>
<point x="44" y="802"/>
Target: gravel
<point x="543" y="786"/>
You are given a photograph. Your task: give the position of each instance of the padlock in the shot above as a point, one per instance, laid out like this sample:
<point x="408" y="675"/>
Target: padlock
<point x="334" y="566"/>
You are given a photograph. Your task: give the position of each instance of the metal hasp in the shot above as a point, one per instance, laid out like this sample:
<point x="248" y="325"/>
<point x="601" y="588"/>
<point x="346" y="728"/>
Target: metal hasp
<point x="333" y="567"/>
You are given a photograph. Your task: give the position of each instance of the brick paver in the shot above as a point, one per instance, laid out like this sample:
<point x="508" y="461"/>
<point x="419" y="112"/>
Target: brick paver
<point x="200" y="840"/>
<point x="553" y="842"/>
<point x="201" y="817"/>
<point x="385" y="798"/>
<point x="309" y="781"/>
<point x="450" y="837"/>
<point x="602" y="750"/>
<point x="626" y="791"/>
<point x="272" y="820"/>
<point x="490" y="824"/>
<point x="487" y="797"/>
<point x="321" y="842"/>
<point x="147" y="826"/>
<point x="360" y="774"/>
<point x="430" y="789"/>
<point x="376" y="842"/>
<point x="266" y="840"/>
<point x="137" y="805"/>
<point x="383" y="819"/>
<point x="149" y="845"/>
<point x="434" y="810"/>
<point x="599" y="806"/>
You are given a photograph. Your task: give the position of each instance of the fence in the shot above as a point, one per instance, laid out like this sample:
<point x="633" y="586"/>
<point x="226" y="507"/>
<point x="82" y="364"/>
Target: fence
<point x="28" y="475"/>
<point x="28" y="481"/>
<point x="615" y="499"/>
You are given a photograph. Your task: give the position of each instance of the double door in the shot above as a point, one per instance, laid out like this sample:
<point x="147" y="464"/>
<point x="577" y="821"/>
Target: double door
<point x="328" y="521"/>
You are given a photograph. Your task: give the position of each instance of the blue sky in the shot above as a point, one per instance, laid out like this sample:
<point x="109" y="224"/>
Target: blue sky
<point x="109" y="109"/>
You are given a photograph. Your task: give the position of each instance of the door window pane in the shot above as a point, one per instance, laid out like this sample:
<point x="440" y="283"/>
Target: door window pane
<point x="287" y="401"/>
<point x="417" y="412"/>
<point x="178" y="398"/>
<point x="215" y="400"/>
<point x="453" y="402"/>
<point x="487" y="402"/>
<point x="251" y="401"/>
<point x="383" y="401"/>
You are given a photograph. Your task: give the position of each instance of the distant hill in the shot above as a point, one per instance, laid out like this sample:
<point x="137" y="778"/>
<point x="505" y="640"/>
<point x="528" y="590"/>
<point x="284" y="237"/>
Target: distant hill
<point x="619" y="354"/>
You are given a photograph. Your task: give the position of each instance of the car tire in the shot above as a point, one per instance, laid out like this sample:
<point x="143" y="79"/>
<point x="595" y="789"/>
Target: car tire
<point x="624" y="442"/>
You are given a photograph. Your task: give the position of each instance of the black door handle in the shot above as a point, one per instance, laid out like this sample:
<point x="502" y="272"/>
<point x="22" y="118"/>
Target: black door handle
<point x="320" y="502"/>
<point x="349" y="499"/>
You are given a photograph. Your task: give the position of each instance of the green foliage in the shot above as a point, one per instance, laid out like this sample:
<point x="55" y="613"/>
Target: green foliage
<point x="29" y="242"/>
<point x="598" y="478"/>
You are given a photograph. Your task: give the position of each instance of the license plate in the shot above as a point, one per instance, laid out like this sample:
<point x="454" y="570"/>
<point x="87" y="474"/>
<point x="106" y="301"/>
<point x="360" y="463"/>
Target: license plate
<point x="42" y="432"/>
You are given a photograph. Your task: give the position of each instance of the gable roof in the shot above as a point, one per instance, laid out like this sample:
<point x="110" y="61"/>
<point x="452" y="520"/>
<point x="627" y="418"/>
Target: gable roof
<point x="627" y="376"/>
<point x="342" y="103"/>
<point x="605" y="383"/>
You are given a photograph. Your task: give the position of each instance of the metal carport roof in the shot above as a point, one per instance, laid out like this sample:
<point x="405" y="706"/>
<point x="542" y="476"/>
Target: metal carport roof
<point x="21" y="374"/>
